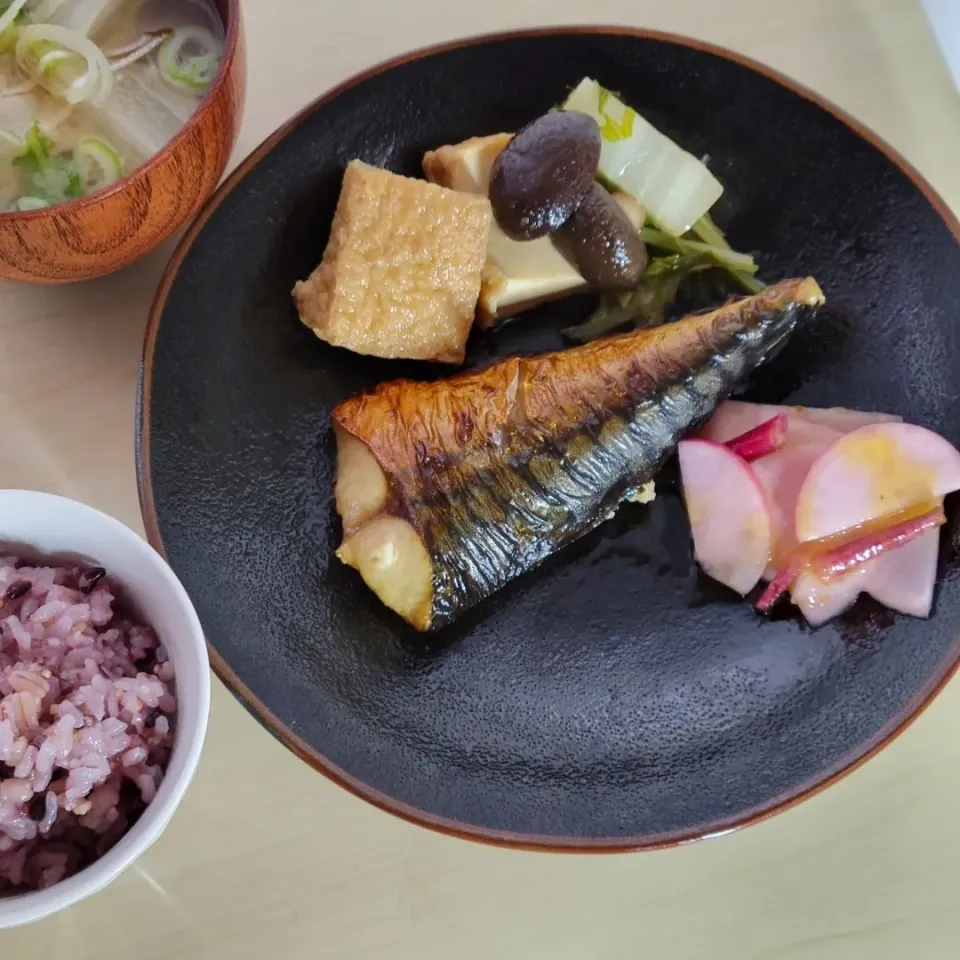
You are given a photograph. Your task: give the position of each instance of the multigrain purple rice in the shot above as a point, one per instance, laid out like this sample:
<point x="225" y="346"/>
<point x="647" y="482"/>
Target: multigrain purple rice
<point x="86" y="721"/>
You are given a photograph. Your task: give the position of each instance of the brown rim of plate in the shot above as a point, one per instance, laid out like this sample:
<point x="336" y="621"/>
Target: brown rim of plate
<point x="557" y="844"/>
<point x="232" y="25"/>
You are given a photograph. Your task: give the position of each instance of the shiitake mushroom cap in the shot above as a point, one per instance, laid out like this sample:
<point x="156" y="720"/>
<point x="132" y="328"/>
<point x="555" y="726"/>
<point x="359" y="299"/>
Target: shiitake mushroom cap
<point x="543" y="174"/>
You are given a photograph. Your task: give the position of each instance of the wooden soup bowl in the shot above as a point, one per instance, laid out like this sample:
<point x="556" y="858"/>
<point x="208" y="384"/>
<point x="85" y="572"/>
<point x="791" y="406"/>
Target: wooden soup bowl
<point x="108" y="230"/>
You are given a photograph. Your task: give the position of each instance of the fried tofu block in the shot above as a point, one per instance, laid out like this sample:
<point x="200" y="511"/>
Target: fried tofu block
<point x="401" y="274"/>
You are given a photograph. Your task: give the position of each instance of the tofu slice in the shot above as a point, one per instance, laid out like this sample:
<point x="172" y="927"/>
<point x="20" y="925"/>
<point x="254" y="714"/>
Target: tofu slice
<point x="518" y="274"/>
<point x="401" y="274"/>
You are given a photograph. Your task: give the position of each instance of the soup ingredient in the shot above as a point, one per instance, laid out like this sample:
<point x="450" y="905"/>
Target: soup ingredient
<point x="605" y="246"/>
<point x="729" y="518"/>
<point x="518" y="274"/>
<point x="539" y="179"/>
<point x="85" y="17"/>
<point x="107" y="83"/>
<point x="97" y="163"/>
<point x="52" y="179"/>
<point x="674" y="186"/>
<point x="87" y="711"/>
<point x="65" y="63"/>
<point x="10" y="13"/>
<point x="400" y="276"/>
<point x="762" y="440"/>
<point x="456" y="487"/>
<point x="189" y="59"/>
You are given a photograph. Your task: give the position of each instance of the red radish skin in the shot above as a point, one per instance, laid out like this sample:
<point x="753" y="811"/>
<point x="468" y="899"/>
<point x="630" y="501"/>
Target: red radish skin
<point x="779" y="586"/>
<point x="825" y="582"/>
<point x="734" y="417"/>
<point x="840" y="560"/>
<point x="761" y="441"/>
<point x="878" y="470"/>
<point x="729" y="518"/>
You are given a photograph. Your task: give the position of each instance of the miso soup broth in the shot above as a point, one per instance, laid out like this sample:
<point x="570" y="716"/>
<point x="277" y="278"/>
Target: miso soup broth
<point x="91" y="89"/>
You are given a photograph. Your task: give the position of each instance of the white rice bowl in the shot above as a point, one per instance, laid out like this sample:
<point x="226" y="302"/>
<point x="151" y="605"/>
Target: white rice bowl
<point x="87" y="673"/>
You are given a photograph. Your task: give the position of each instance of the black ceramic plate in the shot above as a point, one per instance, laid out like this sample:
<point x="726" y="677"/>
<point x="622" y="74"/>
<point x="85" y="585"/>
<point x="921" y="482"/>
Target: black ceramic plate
<point x="613" y="698"/>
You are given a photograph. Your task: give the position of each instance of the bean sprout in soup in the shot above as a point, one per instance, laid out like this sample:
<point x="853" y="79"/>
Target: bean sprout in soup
<point x="91" y="89"/>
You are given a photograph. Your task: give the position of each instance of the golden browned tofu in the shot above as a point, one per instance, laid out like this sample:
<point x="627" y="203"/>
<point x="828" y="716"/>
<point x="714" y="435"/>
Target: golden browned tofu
<point x="401" y="274"/>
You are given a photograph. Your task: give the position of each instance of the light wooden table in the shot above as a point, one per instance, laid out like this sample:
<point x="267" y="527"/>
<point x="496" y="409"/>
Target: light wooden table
<point x="268" y="859"/>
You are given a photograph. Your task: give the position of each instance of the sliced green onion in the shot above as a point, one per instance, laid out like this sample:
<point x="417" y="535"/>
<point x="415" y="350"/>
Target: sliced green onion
<point x="670" y="183"/>
<point x="54" y="55"/>
<point x="8" y="39"/>
<point x="64" y="62"/>
<point x="98" y="163"/>
<point x="24" y="204"/>
<point x="9" y="16"/>
<point x="190" y="58"/>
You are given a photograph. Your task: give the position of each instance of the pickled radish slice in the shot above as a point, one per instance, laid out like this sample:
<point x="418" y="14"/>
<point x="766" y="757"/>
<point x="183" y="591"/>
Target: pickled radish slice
<point x="781" y="476"/>
<point x="875" y="471"/>
<point x="820" y="602"/>
<point x="824" y="581"/>
<point x="736" y="417"/>
<point x="728" y="514"/>
<point x="904" y="579"/>
<point x="842" y="419"/>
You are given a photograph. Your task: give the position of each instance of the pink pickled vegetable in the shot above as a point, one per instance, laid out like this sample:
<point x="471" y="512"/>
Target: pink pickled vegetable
<point x="904" y="579"/>
<point x="762" y="440"/>
<point x="735" y="417"/>
<point x="781" y="475"/>
<point x="728" y="514"/>
<point x="830" y="564"/>
<point x="840" y="560"/>
<point x="779" y="585"/>
<point x="806" y="424"/>
<point x="843" y="420"/>
<point x="820" y="602"/>
<point x="875" y="471"/>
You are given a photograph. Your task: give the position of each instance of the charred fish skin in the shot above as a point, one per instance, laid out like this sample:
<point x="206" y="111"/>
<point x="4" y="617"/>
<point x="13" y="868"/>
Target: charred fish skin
<point x="488" y="473"/>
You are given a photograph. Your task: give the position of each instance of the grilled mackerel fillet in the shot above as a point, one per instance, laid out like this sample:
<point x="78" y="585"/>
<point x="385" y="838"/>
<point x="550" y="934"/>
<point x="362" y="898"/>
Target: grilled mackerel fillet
<point x="448" y="490"/>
